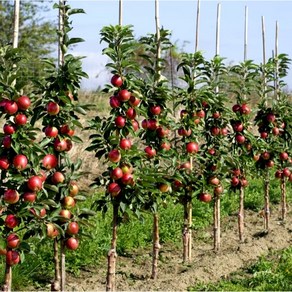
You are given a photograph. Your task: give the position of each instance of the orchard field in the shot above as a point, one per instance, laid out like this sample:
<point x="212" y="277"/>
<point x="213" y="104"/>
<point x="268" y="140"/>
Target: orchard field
<point x="174" y="176"/>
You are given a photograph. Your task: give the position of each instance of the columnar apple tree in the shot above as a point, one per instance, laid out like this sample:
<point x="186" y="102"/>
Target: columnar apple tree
<point x="243" y="142"/>
<point x="155" y="171"/>
<point x="272" y="120"/>
<point x="19" y="165"/>
<point x="113" y="140"/>
<point x="58" y="109"/>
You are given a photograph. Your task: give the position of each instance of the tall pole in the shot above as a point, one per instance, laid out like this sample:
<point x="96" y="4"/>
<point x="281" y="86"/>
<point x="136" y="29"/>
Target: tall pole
<point x="245" y="32"/>
<point x="16" y="23"/>
<point x="218" y="29"/>
<point x="62" y="3"/>
<point x="120" y="12"/>
<point x="264" y="54"/>
<point x="197" y="26"/>
<point x="277" y="63"/>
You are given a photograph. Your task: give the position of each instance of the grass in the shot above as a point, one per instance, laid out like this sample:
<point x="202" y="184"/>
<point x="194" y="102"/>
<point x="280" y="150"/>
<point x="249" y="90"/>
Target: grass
<point x="270" y="273"/>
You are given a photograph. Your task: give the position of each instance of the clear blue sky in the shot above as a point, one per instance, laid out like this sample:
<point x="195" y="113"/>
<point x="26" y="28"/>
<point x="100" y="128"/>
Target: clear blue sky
<point x="180" y="18"/>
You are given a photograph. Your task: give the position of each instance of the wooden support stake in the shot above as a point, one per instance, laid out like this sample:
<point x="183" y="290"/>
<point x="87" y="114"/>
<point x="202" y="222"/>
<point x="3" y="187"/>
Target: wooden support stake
<point x="197" y="27"/>
<point x="245" y="33"/>
<point x="120" y="12"/>
<point x="156" y="246"/>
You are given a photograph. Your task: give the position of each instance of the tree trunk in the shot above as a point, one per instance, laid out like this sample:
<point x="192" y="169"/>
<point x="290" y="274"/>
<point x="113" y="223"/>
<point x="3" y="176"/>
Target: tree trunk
<point x="241" y="215"/>
<point x="156" y="246"/>
<point x="63" y="266"/>
<point x="112" y="254"/>
<point x="267" y="202"/>
<point x="283" y="199"/>
<point x="7" y="279"/>
<point x="217" y="223"/>
<point x="56" y="285"/>
<point x="187" y="231"/>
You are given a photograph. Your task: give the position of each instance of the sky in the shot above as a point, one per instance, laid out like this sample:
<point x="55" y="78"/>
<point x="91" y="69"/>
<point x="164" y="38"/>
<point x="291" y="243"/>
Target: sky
<point x="180" y="18"/>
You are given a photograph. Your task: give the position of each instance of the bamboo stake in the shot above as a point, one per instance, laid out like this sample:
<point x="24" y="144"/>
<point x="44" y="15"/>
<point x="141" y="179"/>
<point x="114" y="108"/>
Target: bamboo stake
<point x="197" y="26"/>
<point x="264" y="57"/>
<point x="112" y="254"/>
<point x="185" y="234"/>
<point x="120" y="12"/>
<point x="156" y="246"/>
<point x="157" y="24"/>
<point x="245" y="33"/>
<point x="16" y="23"/>
<point x="277" y="63"/>
<point x="217" y="227"/>
<point x="241" y="215"/>
<point x="283" y="199"/>
<point x="267" y="201"/>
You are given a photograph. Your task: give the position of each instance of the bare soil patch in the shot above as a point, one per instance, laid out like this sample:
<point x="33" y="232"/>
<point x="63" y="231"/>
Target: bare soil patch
<point x="133" y="271"/>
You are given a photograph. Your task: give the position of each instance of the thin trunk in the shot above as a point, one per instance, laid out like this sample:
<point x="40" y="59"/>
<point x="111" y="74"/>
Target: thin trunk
<point x="185" y="234"/>
<point x="217" y="227"/>
<point x="190" y="219"/>
<point x="56" y="285"/>
<point x="241" y="215"/>
<point x="63" y="266"/>
<point x="156" y="246"/>
<point x="267" y="202"/>
<point x="158" y="51"/>
<point x="61" y="29"/>
<point x="7" y="278"/>
<point x="283" y="199"/>
<point x="112" y="254"/>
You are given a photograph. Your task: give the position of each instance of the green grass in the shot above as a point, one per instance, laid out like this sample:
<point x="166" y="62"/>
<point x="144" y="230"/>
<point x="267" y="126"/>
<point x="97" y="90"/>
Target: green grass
<point x="37" y="269"/>
<point x="270" y="273"/>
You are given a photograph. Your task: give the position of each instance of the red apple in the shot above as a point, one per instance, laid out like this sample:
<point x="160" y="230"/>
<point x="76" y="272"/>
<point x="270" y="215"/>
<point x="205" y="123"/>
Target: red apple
<point x="51" y="132"/>
<point x="192" y="147"/>
<point x="165" y="146"/>
<point x="114" y="189"/>
<point x="236" y="108"/>
<point x="127" y="168"/>
<point x="73" y="189"/>
<point x="270" y="163"/>
<point x="215" y="131"/>
<point x="72" y="243"/>
<point x="124" y="95"/>
<point x="52" y="231"/>
<point x="205" y="197"/>
<point x="236" y="172"/>
<point x="9" y="129"/>
<point x="23" y="102"/>
<point x="114" y="155"/>
<point x="65" y="215"/>
<point x="11" y="221"/>
<point x="235" y="181"/>
<point x="50" y="161"/>
<point x="150" y="152"/>
<point x="72" y="228"/>
<point x="69" y="144"/>
<point x="201" y="114"/>
<point x="162" y="132"/>
<point x="275" y="131"/>
<point x="152" y="124"/>
<point x="10" y="107"/>
<point x="131" y="113"/>
<point x="286" y="172"/>
<point x="116" y="173"/>
<point x="35" y="183"/>
<point x="185" y="165"/>
<point x="216" y="115"/>
<point x="68" y="202"/>
<point x="266" y="155"/>
<point x="270" y="117"/>
<point x="237" y="126"/>
<point x="20" y="162"/>
<point x="264" y="135"/>
<point x="114" y="102"/>
<point x="60" y="145"/>
<point x="212" y="151"/>
<point x="58" y="178"/>
<point x="29" y="197"/>
<point x="12" y="240"/>
<point x="12" y="257"/>
<point x="224" y="131"/>
<point x="284" y="156"/>
<point x="244" y="109"/>
<point x="125" y="144"/>
<point x="278" y="174"/>
<point x="155" y="110"/>
<point x="135" y="125"/>
<point x="4" y="163"/>
<point x="53" y="108"/>
<point x="20" y="119"/>
<point x="134" y="101"/>
<point x="42" y="175"/>
<point x="214" y="181"/>
<point x="11" y="196"/>
<point x="144" y="124"/>
<point x="184" y="132"/>
<point x="240" y="139"/>
<point x="244" y="182"/>
<point x="116" y="80"/>
<point x="127" y="179"/>
<point x="218" y="190"/>
<point x="6" y="142"/>
<point x="120" y="121"/>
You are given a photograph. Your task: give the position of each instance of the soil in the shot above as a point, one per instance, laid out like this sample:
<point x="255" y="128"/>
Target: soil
<point x="133" y="271"/>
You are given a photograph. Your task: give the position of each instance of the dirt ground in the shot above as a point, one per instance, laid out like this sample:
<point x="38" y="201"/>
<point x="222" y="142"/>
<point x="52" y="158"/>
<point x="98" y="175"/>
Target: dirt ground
<point x="133" y="271"/>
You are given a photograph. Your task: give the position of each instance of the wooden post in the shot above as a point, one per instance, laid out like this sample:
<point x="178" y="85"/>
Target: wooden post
<point x="245" y="33"/>
<point x="16" y="23"/>
<point x="276" y="93"/>
<point x="264" y="57"/>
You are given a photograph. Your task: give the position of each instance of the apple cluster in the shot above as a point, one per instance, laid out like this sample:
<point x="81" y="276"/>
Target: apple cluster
<point x="124" y="104"/>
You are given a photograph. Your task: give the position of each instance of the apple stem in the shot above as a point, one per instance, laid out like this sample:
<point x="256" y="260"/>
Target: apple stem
<point x="156" y="246"/>
<point x="63" y="266"/>
<point x="241" y="214"/>
<point x="283" y="199"/>
<point x="7" y="278"/>
<point x="267" y="202"/>
<point x="112" y="254"/>
<point x="217" y="223"/>
<point x="56" y="284"/>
